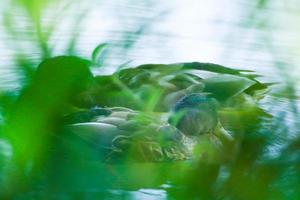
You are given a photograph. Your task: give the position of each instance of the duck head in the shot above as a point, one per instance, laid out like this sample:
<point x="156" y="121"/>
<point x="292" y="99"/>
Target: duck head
<point x="195" y="114"/>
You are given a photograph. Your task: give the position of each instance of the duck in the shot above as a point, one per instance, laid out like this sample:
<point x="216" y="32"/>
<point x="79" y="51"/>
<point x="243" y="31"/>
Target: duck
<point x="115" y="134"/>
<point x="190" y="100"/>
<point x="118" y="134"/>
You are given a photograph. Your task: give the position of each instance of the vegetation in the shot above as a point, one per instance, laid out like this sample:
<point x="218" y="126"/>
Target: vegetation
<point x="43" y="153"/>
<point x="194" y="130"/>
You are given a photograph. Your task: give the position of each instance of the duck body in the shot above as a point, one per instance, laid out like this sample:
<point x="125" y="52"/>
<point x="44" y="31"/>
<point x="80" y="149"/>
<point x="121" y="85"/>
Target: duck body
<point x="121" y="134"/>
<point x="124" y="134"/>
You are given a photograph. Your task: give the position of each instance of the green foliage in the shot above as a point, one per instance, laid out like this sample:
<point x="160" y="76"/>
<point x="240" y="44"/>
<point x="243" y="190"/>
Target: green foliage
<point x="154" y="87"/>
<point x="52" y="146"/>
<point x="99" y="150"/>
<point x="35" y="114"/>
<point x="97" y="55"/>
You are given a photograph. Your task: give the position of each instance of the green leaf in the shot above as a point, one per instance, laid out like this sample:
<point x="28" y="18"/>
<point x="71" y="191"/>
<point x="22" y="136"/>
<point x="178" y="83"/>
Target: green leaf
<point x="225" y="86"/>
<point x="98" y="53"/>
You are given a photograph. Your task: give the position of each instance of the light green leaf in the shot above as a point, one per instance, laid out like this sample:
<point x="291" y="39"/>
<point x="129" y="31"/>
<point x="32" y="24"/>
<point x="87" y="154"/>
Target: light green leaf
<point x="225" y="86"/>
<point x="98" y="53"/>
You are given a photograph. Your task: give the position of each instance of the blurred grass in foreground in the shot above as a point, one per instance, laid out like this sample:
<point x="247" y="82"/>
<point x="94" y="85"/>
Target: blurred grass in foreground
<point x="33" y="119"/>
<point x="264" y="165"/>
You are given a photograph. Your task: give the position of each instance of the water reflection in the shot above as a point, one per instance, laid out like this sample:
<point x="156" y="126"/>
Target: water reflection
<point x="234" y="33"/>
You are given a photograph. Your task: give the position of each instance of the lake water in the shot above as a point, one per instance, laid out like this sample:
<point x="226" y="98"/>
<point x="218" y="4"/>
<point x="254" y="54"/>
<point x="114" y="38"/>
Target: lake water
<point x="237" y="33"/>
<point x="234" y="33"/>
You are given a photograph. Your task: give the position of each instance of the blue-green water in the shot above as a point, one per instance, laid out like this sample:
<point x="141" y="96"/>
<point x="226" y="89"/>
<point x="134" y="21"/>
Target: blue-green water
<point x="234" y="33"/>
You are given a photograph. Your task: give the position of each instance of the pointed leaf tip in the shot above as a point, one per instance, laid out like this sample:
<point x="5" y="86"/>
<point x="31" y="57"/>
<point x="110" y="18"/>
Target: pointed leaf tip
<point x="97" y="53"/>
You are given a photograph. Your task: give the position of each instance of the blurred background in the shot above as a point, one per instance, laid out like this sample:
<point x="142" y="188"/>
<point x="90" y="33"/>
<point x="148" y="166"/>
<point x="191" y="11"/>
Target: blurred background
<point x="260" y="35"/>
